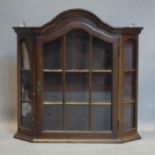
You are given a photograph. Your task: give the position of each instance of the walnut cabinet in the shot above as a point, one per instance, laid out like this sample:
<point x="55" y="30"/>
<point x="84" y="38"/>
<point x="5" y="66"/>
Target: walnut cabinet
<point x="77" y="80"/>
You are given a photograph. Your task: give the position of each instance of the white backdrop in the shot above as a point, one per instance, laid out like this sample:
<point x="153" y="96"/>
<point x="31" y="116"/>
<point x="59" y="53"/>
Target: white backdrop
<point x="115" y="13"/>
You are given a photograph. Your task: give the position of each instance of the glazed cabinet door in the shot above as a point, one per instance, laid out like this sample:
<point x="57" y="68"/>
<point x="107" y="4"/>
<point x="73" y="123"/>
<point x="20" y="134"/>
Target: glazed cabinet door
<point x="25" y="85"/>
<point x="78" y="78"/>
<point x="129" y="83"/>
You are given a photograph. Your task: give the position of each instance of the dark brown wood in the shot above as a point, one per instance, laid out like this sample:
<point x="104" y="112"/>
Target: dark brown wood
<point x="85" y="21"/>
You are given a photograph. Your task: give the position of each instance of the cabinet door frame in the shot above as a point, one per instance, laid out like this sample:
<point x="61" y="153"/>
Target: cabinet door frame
<point x="114" y="39"/>
<point x="131" y="131"/>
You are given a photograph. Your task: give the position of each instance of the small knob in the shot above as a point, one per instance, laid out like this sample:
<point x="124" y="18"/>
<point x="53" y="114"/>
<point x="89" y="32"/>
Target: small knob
<point x="23" y="24"/>
<point x="132" y="24"/>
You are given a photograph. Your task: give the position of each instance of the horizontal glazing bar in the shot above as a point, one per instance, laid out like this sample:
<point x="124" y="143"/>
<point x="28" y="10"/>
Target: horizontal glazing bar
<point x="53" y="70"/>
<point x="53" y="103"/>
<point x="130" y="70"/>
<point x="78" y="103"/>
<point x="102" y="71"/>
<point x="101" y="103"/>
<point x="77" y="70"/>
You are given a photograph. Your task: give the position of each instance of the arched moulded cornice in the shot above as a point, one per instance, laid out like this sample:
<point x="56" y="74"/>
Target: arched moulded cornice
<point x="76" y="15"/>
<point x="81" y="16"/>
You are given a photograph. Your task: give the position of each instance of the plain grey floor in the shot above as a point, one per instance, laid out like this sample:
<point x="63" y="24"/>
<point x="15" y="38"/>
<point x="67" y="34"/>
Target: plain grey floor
<point x="11" y="146"/>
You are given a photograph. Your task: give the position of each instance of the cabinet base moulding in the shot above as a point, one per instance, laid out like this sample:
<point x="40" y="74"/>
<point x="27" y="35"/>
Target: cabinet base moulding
<point x="70" y="140"/>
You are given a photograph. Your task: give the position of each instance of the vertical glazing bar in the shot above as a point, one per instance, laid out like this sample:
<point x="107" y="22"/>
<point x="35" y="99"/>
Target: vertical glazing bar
<point x="90" y="78"/>
<point x="64" y="79"/>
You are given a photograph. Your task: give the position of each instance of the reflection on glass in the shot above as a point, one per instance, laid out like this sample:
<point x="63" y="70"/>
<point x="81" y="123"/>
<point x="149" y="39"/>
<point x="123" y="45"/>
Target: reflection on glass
<point x="101" y="87"/>
<point x="129" y="115"/>
<point x="26" y="114"/>
<point x="76" y="117"/>
<point x="52" y="54"/>
<point x="129" y="55"/>
<point x="77" y="50"/>
<point x="129" y="86"/>
<point x="53" y="87"/>
<point x="77" y="87"/>
<point x="101" y="118"/>
<point x="102" y="54"/>
<point x="26" y="85"/>
<point x="25" y="56"/>
<point x="52" y="117"/>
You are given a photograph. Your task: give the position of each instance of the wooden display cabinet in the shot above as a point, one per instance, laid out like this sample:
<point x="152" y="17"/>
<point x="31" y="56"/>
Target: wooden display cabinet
<point x="77" y="80"/>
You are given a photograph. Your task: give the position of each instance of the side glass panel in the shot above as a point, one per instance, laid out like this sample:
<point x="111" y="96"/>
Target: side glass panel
<point x="25" y="85"/>
<point x="129" y="86"/>
<point x="77" y="50"/>
<point x="129" y="55"/>
<point x="129" y="96"/>
<point x="129" y="114"/>
<point x="25" y="56"/>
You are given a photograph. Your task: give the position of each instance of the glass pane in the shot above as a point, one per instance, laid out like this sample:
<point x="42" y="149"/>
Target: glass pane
<point x="52" y="54"/>
<point x="129" y="116"/>
<point x="76" y="117"/>
<point x="26" y="98"/>
<point x="77" y="87"/>
<point x="129" y="86"/>
<point x="26" y="85"/>
<point x="101" y="118"/>
<point x="77" y="50"/>
<point x="25" y="56"/>
<point x="53" y="87"/>
<point x="101" y="87"/>
<point x="52" y="117"/>
<point x="130" y="55"/>
<point x="26" y="114"/>
<point x="102" y="54"/>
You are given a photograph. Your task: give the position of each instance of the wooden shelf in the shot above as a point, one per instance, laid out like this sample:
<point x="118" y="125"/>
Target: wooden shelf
<point x="102" y="71"/>
<point x="102" y="103"/>
<point x="52" y="103"/>
<point x="53" y="70"/>
<point x="77" y="103"/>
<point x="77" y="71"/>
